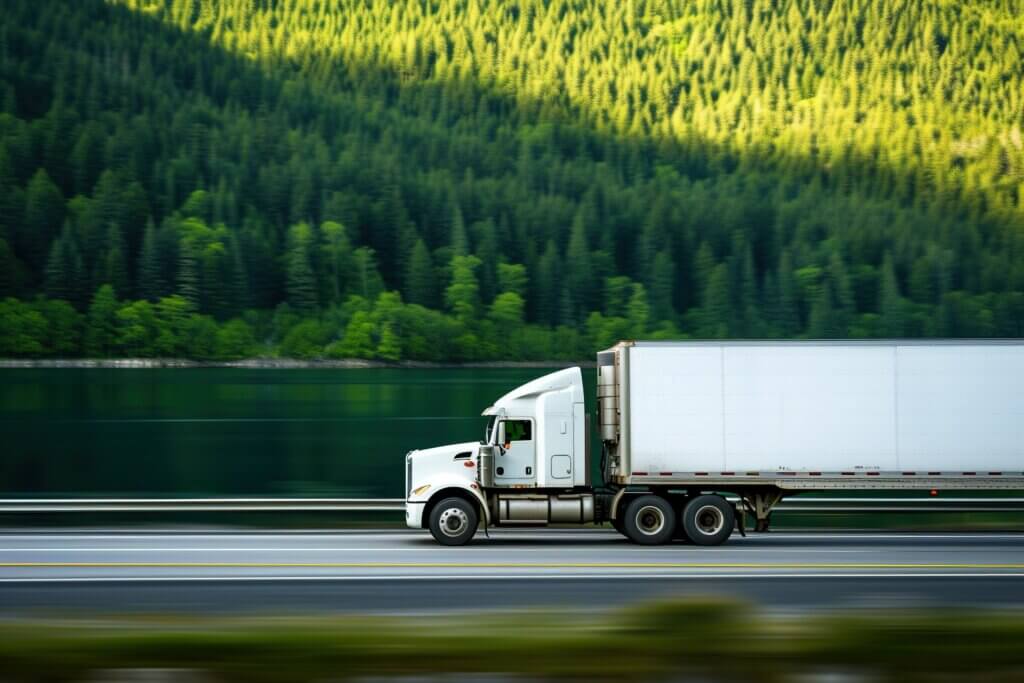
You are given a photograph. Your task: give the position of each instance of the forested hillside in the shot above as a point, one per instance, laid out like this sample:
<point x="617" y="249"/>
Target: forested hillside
<point x="471" y="179"/>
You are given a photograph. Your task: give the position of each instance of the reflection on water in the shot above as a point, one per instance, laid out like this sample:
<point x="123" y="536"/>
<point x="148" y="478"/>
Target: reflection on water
<point x="233" y="431"/>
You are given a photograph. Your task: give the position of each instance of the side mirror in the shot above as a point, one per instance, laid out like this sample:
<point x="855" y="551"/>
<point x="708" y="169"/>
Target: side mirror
<point x="501" y="434"/>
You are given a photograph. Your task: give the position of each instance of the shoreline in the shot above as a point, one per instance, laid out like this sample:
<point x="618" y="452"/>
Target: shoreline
<point x="269" y="364"/>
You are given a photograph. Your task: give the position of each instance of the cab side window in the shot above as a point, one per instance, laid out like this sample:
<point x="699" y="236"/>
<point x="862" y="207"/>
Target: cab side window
<point x="518" y="430"/>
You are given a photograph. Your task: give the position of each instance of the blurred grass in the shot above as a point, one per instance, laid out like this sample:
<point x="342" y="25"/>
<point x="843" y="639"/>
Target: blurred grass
<point x="713" y="639"/>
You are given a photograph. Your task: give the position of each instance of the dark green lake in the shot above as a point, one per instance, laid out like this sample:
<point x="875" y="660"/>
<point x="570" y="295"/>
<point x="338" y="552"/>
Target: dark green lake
<point x="227" y="431"/>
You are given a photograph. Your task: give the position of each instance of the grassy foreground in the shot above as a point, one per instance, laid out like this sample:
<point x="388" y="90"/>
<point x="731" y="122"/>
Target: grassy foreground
<point x="713" y="639"/>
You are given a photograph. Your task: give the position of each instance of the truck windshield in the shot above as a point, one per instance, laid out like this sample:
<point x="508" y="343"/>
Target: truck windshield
<point x="489" y="429"/>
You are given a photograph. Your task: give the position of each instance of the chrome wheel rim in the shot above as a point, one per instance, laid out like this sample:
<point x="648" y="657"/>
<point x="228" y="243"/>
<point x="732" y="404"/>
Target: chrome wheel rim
<point x="709" y="520"/>
<point x="453" y="522"/>
<point x="650" y="520"/>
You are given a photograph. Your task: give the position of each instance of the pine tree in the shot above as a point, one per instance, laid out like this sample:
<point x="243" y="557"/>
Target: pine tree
<point x="419" y="276"/>
<point x="890" y="302"/>
<point x="64" y="269"/>
<point x="101" y="327"/>
<point x="546" y="286"/>
<point x="301" y="282"/>
<point x="149" y="278"/>
<point x="188" y="274"/>
<point x="337" y="260"/>
<point x="717" y="304"/>
<point x="789" y="312"/>
<point x="44" y="213"/>
<point x="367" y="281"/>
<point x="463" y="294"/>
<point x="662" y="282"/>
<point x="459" y="241"/>
<point x="115" y="268"/>
<point x="579" y="271"/>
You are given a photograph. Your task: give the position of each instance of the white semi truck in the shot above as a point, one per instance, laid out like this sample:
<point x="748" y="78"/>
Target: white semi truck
<point x="689" y="428"/>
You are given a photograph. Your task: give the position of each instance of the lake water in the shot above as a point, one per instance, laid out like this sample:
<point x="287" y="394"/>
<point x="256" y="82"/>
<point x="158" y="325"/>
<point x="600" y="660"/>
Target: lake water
<point x="227" y="431"/>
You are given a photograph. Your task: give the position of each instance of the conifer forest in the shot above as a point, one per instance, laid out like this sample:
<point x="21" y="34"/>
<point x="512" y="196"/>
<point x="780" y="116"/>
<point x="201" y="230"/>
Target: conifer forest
<point x="468" y="180"/>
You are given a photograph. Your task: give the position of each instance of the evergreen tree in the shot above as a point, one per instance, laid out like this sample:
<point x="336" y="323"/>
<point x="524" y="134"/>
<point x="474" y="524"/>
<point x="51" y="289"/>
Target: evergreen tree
<point x="301" y="283"/>
<point x="419" y="276"/>
<point x="662" y="282"/>
<point x="101" y="330"/>
<point x="463" y="294"/>
<point x="115" y="269"/>
<point x="44" y="213"/>
<point x="188" y="274"/>
<point x="150" y="276"/>
<point x="337" y="260"/>
<point x="717" y="304"/>
<point x="367" y="281"/>
<point x="580" y="272"/>
<point x="64" y="269"/>
<point x="890" y="302"/>
<point x="547" y="285"/>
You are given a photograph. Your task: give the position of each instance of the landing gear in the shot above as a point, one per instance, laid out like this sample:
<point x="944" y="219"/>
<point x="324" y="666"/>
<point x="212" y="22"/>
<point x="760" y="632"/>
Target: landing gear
<point x="760" y="504"/>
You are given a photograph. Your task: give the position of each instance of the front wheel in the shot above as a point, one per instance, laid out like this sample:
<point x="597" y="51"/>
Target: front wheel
<point x="619" y="525"/>
<point x="650" y="520"/>
<point x="453" y="521"/>
<point x="708" y="520"/>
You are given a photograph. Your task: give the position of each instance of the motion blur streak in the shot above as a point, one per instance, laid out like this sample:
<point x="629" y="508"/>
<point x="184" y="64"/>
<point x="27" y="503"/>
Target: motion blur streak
<point x="404" y="571"/>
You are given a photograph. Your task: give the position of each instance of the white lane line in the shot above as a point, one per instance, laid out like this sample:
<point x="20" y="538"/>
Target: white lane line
<point x="502" y="577"/>
<point x="630" y="550"/>
<point x="774" y="536"/>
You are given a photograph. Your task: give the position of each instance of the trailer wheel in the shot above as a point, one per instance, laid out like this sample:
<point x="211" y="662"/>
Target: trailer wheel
<point x="453" y="521"/>
<point x="708" y="520"/>
<point x="650" y="520"/>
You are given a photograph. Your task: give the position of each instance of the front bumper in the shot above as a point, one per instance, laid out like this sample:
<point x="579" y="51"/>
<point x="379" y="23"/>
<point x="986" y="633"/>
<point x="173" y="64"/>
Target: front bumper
<point x="414" y="514"/>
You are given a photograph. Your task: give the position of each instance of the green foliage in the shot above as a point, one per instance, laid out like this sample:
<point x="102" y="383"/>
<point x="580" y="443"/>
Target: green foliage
<point x="235" y="340"/>
<point x="22" y="329"/>
<point x="650" y="168"/>
<point x="101" y="332"/>
<point x="305" y="340"/>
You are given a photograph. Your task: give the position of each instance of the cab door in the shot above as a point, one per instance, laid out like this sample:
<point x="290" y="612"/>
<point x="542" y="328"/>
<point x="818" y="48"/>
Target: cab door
<point x="516" y="461"/>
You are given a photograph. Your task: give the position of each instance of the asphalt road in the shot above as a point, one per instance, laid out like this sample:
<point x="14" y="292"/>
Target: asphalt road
<point x="403" y="571"/>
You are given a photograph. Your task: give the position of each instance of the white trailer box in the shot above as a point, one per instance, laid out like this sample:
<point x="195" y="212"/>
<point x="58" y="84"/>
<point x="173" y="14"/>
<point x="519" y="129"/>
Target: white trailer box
<point x="815" y="414"/>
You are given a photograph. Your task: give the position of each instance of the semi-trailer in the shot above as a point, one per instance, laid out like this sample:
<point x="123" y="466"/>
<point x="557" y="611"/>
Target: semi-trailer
<point x="695" y="437"/>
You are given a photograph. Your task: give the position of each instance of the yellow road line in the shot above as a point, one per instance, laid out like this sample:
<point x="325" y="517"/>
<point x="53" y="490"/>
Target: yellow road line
<point x="526" y="565"/>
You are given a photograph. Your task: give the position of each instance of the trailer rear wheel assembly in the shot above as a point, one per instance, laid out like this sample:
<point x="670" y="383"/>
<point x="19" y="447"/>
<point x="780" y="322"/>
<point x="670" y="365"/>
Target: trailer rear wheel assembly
<point x="453" y="521"/>
<point x="650" y="520"/>
<point x="708" y="520"/>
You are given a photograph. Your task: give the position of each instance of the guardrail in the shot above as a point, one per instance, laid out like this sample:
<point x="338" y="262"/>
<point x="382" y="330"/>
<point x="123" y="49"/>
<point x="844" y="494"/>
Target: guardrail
<point x="791" y="505"/>
<point x="199" y="504"/>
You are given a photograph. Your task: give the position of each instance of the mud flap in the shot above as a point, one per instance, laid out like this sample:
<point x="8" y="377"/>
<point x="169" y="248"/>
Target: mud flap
<point x="741" y="519"/>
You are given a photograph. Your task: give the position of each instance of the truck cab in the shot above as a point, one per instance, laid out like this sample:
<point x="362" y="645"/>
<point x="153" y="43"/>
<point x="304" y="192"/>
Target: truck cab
<point x="532" y="465"/>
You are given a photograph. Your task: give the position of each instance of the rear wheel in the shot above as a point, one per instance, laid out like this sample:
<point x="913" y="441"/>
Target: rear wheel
<point x="708" y="520"/>
<point x="453" y="521"/>
<point x="649" y="520"/>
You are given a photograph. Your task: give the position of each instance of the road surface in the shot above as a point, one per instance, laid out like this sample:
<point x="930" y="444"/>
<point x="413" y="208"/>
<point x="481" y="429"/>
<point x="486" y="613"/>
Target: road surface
<point x="57" y="571"/>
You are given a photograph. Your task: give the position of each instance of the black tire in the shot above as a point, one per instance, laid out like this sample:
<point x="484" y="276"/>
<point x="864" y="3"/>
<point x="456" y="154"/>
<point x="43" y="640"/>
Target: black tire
<point x="708" y="520"/>
<point x="618" y="525"/>
<point x="453" y="521"/>
<point x="649" y="520"/>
